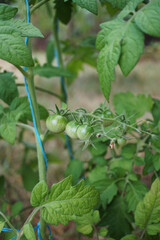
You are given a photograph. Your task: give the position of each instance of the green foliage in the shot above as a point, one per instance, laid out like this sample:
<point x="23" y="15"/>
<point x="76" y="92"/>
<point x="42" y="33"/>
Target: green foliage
<point x="118" y="3"/>
<point x="50" y="52"/>
<point x="39" y="193"/>
<point x="122" y="41"/>
<point x="63" y="10"/>
<point x="134" y="107"/>
<point x="1" y="225"/>
<point x="12" y="46"/>
<point x="90" y="5"/>
<point x="8" y="88"/>
<point x="29" y="232"/>
<point x="147" y="211"/>
<point x="74" y="168"/>
<point x="117" y="218"/>
<point x="65" y="203"/>
<point x="148" y="18"/>
<point x="84" y="224"/>
<point x="16" y="208"/>
<point x="134" y="194"/>
<point x="7" y="12"/>
<point x="130" y="237"/>
<point x="51" y="71"/>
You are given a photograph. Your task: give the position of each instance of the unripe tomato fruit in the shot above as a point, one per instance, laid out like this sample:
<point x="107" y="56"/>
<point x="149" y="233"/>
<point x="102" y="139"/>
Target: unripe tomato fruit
<point x="56" y="123"/>
<point x="121" y="142"/>
<point x="84" y="132"/>
<point x="107" y="114"/>
<point x="71" y="129"/>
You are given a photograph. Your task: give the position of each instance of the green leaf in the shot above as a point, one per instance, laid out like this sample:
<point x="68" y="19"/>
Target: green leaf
<point x="132" y="46"/>
<point x="117" y="218"/>
<point x="90" y="5"/>
<point x="7" y="12"/>
<point x="1" y="225"/>
<point x="8" y="131"/>
<point x="24" y="28"/>
<point x="98" y="149"/>
<point x="2" y="185"/>
<point x="156" y="161"/>
<point x="16" y="208"/>
<point x="51" y="71"/>
<point x="84" y="224"/>
<point x="103" y="232"/>
<point x="98" y="173"/>
<point x="13" y="48"/>
<point x="156" y="110"/>
<point x="50" y="52"/>
<point x="107" y="60"/>
<point x="8" y="88"/>
<point x="149" y="167"/>
<point x="29" y="177"/>
<point x="39" y="193"/>
<point x="66" y="203"/>
<point x="129" y="150"/>
<point x="147" y="211"/>
<point x="21" y="109"/>
<point x="29" y="232"/>
<point x="121" y="163"/>
<point x="74" y="168"/>
<point x="63" y="10"/>
<point x="134" y="194"/>
<point x="118" y="3"/>
<point x="148" y="18"/>
<point x="108" y="194"/>
<point x="129" y="8"/>
<point x="130" y="237"/>
<point x="134" y="107"/>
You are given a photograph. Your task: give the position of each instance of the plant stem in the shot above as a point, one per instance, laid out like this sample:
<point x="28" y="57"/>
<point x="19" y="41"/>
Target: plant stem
<point x="59" y="53"/>
<point x="27" y="127"/>
<point x="38" y="5"/>
<point x="41" y="162"/>
<point x="29" y="219"/>
<point x="42" y="90"/>
<point x="22" y="71"/>
<point x="8" y="222"/>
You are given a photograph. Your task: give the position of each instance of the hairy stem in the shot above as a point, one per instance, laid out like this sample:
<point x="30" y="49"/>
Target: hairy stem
<point x="59" y="53"/>
<point x="25" y="126"/>
<point x="38" y="5"/>
<point x="29" y="219"/>
<point x="8" y="222"/>
<point x="42" y="90"/>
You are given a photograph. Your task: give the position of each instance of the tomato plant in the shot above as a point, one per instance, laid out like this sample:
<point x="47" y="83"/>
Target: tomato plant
<point x="111" y="149"/>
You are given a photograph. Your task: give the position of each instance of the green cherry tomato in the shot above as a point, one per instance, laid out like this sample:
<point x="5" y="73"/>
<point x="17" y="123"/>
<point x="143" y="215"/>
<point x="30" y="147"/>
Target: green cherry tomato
<point x="121" y="142"/>
<point x="107" y="114"/>
<point x="56" y="123"/>
<point x="84" y="132"/>
<point x="71" y="129"/>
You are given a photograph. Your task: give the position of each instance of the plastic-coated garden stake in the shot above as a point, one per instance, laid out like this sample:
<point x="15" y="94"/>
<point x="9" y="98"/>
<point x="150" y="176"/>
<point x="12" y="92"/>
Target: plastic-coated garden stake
<point x="41" y="162"/>
<point x="58" y="49"/>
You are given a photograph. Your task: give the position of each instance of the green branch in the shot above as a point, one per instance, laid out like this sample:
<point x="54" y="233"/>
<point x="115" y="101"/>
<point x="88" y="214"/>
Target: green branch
<point x="42" y="90"/>
<point x="8" y="222"/>
<point x="38" y="5"/>
<point x="25" y="74"/>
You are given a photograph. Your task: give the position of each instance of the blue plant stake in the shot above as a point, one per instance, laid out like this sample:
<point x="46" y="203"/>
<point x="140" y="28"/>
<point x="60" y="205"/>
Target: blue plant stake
<point x="65" y="96"/>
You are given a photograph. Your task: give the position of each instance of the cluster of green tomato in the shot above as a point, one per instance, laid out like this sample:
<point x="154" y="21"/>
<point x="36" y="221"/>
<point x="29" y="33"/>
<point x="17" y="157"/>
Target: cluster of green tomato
<point x="81" y="129"/>
<point x="57" y="124"/>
